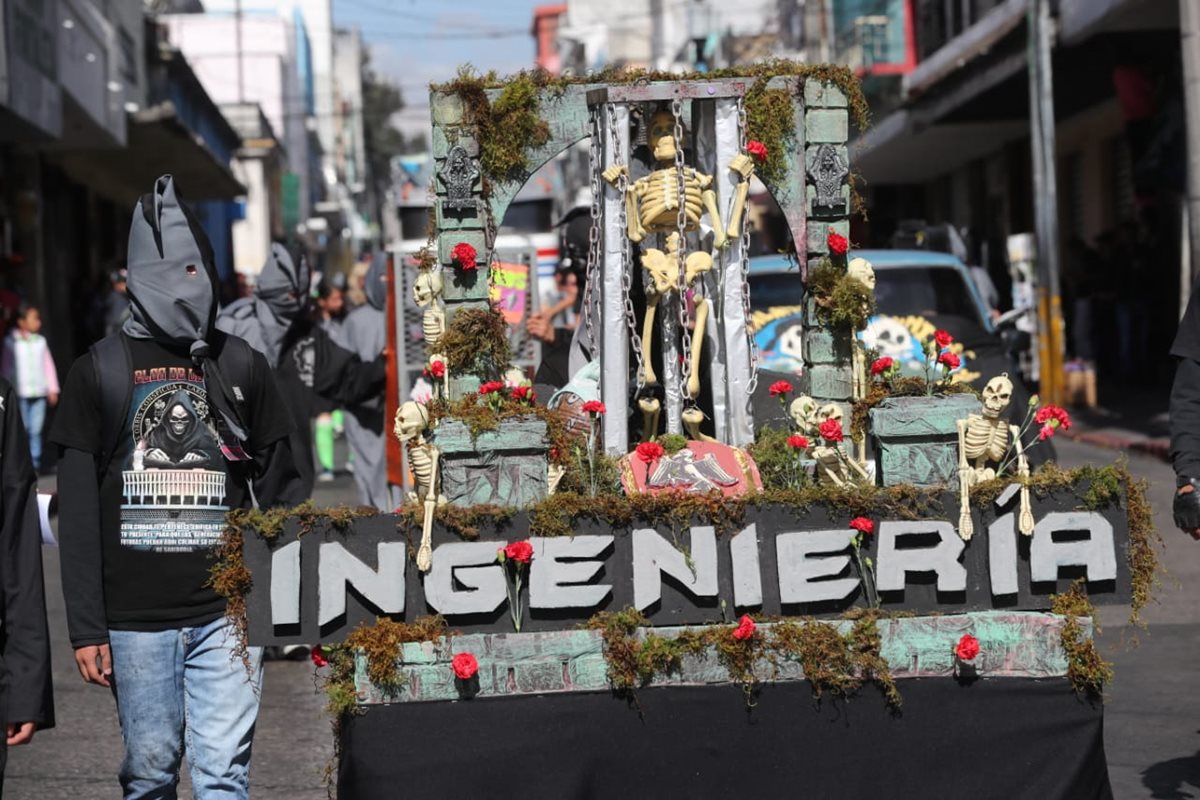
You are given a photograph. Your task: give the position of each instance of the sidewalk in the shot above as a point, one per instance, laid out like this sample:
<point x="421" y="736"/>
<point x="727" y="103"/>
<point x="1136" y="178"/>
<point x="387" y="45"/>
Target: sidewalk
<point x="1132" y="420"/>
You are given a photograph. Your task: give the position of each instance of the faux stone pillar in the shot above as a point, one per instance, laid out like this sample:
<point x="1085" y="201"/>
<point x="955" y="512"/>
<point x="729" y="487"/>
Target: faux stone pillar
<point x="827" y="353"/>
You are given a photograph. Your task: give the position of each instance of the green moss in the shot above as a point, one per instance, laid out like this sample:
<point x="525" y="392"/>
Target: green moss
<point x="673" y="442"/>
<point x="771" y="120"/>
<point x="1086" y="670"/>
<point x="778" y="463"/>
<point x="841" y="301"/>
<point x="476" y="343"/>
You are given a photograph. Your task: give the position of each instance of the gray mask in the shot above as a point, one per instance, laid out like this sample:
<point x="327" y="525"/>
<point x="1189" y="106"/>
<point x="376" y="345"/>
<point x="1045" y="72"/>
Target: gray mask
<point x="375" y="283"/>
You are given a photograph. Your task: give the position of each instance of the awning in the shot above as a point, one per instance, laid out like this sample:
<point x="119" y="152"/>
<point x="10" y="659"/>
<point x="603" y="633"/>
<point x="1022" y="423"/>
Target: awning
<point x="158" y="143"/>
<point x="896" y="151"/>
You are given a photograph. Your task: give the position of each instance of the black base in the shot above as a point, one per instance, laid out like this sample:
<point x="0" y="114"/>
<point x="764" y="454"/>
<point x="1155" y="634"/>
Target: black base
<point x="1000" y="738"/>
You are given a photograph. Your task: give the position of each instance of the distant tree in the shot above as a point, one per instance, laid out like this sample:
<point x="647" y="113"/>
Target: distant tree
<point x="383" y="141"/>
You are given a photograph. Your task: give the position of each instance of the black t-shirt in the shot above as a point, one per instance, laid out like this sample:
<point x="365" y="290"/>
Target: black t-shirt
<point x="167" y="487"/>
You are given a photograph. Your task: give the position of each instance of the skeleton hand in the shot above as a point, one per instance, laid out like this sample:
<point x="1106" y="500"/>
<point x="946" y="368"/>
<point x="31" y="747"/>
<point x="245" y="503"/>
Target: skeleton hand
<point x="743" y="165"/>
<point x="613" y="174"/>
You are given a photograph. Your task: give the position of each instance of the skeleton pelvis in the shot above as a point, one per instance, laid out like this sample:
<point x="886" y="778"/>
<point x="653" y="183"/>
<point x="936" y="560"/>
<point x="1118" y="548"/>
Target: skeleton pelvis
<point x="664" y="268"/>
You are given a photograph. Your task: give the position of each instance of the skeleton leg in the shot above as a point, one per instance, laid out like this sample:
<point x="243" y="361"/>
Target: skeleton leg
<point x="965" y="527"/>
<point x="692" y="418"/>
<point x="1025" y="514"/>
<point x="693" y="384"/>
<point x="652" y="299"/>
<point x="650" y="407"/>
<point x="425" y="551"/>
<point x="733" y="230"/>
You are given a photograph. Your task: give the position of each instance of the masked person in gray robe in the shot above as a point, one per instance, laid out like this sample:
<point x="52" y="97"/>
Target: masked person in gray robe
<point x="275" y="321"/>
<point x="365" y="330"/>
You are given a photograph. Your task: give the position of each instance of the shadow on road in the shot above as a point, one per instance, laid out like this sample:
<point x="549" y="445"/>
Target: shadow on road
<point x="1166" y="779"/>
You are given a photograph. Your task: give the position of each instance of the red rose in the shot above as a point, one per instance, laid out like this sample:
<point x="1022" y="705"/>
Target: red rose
<point x="464" y="255"/>
<point x="465" y="666"/>
<point x="863" y="524"/>
<point x="967" y="648"/>
<point x="882" y="365"/>
<point x="318" y="657"/>
<point x="797" y="442"/>
<point x="838" y="244"/>
<point x="521" y="552"/>
<point x="949" y="360"/>
<point x="744" y="629"/>
<point x="757" y="149"/>
<point x="650" y="451"/>
<point x="778" y="388"/>
<point x="524" y="394"/>
<point x="594" y="407"/>
<point x="831" y="430"/>
<point x="1053" y="416"/>
<point x="438" y="369"/>
<point x="491" y="386"/>
<point x="943" y="338"/>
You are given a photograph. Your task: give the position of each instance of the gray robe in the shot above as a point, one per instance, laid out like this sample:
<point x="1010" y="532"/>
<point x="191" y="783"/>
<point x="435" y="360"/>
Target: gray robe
<point x="365" y="333"/>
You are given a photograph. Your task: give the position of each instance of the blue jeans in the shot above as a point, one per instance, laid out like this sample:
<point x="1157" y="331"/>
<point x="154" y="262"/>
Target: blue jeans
<point x="185" y="687"/>
<point x="33" y="415"/>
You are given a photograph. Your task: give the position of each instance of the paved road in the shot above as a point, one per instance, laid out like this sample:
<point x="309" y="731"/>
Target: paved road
<point x="1152" y="730"/>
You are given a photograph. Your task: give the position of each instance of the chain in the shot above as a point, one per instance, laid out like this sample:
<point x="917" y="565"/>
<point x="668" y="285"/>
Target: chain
<point x="746" y="311"/>
<point x="626" y="278"/>
<point x="681" y="230"/>
<point x="594" y="246"/>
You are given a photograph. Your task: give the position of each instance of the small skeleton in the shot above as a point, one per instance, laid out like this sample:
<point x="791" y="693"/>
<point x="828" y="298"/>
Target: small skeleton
<point x="554" y="476"/>
<point x="427" y="291"/>
<point x="412" y="423"/>
<point x="984" y="439"/>
<point x="861" y="270"/>
<point x="834" y="465"/>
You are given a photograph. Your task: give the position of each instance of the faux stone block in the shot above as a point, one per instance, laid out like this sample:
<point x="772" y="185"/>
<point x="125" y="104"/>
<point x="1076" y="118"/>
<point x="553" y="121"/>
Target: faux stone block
<point x="830" y="382"/>
<point x="458" y="219"/>
<point x="505" y="467"/>
<point x="818" y="235"/>
<point x="825" y="347"/>
<point x="826" y="125"/>
<point x="823" y="95"/>
<point x="818" y="212"/>
<point x="462" y="284"/>
<point x="447" y="109"/>
<point x="916" y="438"/>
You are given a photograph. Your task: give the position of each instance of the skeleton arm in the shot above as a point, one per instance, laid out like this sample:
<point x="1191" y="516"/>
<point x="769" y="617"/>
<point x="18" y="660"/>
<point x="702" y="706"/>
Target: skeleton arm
<point x="965" y="527"/>
<point x="744" y="167"/>
<point x="1025" y="515"/>
<point x="425" y="551"/>
<point x="618" y="176"/>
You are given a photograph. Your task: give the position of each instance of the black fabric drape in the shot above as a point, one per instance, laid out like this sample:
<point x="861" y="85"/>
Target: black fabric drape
<point x="1001" y="738"/>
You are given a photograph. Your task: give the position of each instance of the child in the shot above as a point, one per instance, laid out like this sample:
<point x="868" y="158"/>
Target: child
<point x="29" y="367"/>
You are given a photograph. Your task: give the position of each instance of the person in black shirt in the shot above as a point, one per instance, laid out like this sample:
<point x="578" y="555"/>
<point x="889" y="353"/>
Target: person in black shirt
<point x="308" y="363"/>
<point x="163" y="428"/>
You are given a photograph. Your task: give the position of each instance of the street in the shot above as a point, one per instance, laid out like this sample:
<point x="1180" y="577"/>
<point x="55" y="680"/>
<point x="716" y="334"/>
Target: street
<point x="1152" y="730"/>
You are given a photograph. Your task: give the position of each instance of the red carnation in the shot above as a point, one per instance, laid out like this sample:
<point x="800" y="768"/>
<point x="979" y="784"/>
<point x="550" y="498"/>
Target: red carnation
<point x="318" y="657"/>
<point x="438" y="369"/>
<point x="778" y="388"/>
<point x="465" y="666"/>
<point x="1053" y="416"/>
<point x="831" y="430"/>
<point x="838" y="244"/>
<point x="882" y="365"/>
<point x="464" y="255"/>
<point x="524" y="394"/>
<point x="863" y="524"/>
<point x="967" y="648"/>
<point x="650" y="451"/>
<point x="594" y="407"/>
<point x="521" y="552"/>
<point x="491" y="386"/>
<point x="757" y="149"/>
<point x="745" y="628"/>
<point x="949" y="360"/>
<point x="797" y="442"/>
<point x="1045" y="432"/>
<point x="942" y="337"/>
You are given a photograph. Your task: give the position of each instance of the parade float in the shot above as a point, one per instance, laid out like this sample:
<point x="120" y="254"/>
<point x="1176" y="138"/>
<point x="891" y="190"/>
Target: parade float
<point x="685" y="576"/>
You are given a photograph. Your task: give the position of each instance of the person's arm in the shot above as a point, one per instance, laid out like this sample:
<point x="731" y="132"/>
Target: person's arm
<point x="344" y="378"/>
<point x="277" y="480"/>
<point x="51" y="373"/>
<point x="26" y="637"/>
<point x="8" y="361"/>
<point x="1185" y="444"/>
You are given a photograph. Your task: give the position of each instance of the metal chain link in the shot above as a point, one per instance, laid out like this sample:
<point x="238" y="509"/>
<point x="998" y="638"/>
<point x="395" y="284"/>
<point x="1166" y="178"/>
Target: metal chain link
<point x="746" y="310"/>
<point x="594" y="247"/>
<point x="681" y="228"/>
<point x="626" y="278"/>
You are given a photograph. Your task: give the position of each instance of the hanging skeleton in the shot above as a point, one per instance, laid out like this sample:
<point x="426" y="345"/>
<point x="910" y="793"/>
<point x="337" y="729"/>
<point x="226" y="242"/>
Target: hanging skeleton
<point x="427" y="293"/>
<point x="412" y="423"/>
<point x="861" y="270"/>
<point x="986" y="439"/>
<point x="671" y="200"/>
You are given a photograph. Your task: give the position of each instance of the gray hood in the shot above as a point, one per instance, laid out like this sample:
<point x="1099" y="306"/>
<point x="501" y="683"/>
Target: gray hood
<point x="375" y="282"/>
<point x="172" y="281"/>
<point x="280" y="297"/>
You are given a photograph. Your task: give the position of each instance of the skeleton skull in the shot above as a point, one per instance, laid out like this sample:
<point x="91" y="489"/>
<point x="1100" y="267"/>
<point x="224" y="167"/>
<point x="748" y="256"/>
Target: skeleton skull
<point x="996" y="396"/>
<point x="831" y="411"/>
<point x="803" y="412"/>
<point x="661" y="136"/>
<point x="427" y="287"/>
<point x="411" y="420"/>
<point x="861" y="269"/>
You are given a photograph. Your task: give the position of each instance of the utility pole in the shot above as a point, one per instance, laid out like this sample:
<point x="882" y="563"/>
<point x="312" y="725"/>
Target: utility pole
<point x="1189" y="35"/>
<point x="1045" y="202"/>
<point x="237" y="33"/>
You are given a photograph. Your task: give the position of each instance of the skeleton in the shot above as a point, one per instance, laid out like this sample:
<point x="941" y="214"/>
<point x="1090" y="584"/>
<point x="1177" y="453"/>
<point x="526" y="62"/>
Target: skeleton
<point x="692" y="418"/>
<point x="554" y="476"/>
<point x="861" y="270"/>
<point x="653" y="205"/>
<point x="427" y="290"/>
<point x="412" y="422"/>
<point x="984" y="439"/>
<point x="833" y="464"/>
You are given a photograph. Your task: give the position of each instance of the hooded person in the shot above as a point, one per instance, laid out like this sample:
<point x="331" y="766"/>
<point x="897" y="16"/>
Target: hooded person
<point x="137" y="527"/>
<point x="365" y="330"/>
<point x="308" y="364"/>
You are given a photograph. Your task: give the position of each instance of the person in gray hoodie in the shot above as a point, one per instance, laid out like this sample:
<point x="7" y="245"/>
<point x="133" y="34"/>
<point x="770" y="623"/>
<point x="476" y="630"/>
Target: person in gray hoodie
<point x="365" y="331"/>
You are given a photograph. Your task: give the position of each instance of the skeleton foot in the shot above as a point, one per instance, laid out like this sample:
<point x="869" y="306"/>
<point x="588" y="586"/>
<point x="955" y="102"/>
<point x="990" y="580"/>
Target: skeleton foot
<point x="966" y="528"/>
